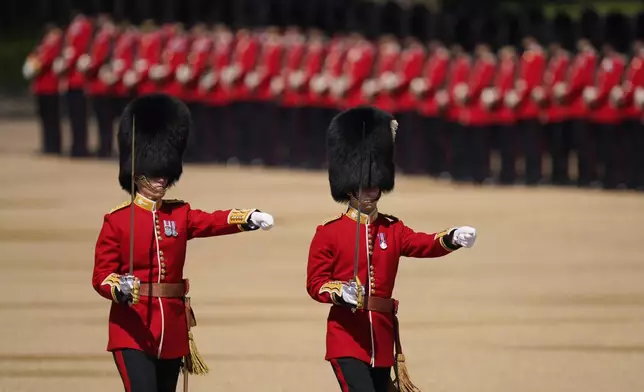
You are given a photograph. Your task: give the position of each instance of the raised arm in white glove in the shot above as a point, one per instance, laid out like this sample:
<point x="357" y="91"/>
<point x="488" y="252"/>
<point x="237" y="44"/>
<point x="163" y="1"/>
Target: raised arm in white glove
<point x="261" y="220"/>
<point x="464" y="236"/>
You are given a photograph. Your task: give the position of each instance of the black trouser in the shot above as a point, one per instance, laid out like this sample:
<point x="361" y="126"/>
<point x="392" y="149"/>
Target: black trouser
<point x="585" y="142"/>
<point x="530" y="134"/>
<point x="611" y="149"/>
<point x="411" y="143"/>
<point x="119" y="104"/>
<point x="559" y="142"/>
<point x="634" y="161"/>
<point x="435" y="153"/>
<point x="478" y="145"/>
<point x="460" y="158"/>
<point x="291" y="142"/>
<point x="320" y="119"/>
<point x="104" y="113"/>
<point x="141" y="372"/>
<point x="356" y="376"/>
<point x="49" y="114"/>
<point x="506" y="138"/>
<point x="77" y="111"/>
<point x="244" y="120"/>
<point x="216" y="129"/>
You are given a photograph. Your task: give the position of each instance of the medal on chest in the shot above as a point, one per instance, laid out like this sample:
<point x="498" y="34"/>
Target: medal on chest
<point x="382" y="240"/>
<point x="170" y="228"/>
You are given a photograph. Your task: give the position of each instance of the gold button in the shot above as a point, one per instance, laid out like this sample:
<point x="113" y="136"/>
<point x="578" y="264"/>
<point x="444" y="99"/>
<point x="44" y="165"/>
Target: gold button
<point x="371" y="267"/>
<point x="161" y="252"/>
<point x="372" y="274"/>
<point x="161" y="258"/>
<point x="162" y="271"/>
<point x="373" y="284"/>
<point x="162" y="277"/>
<point x="162" y="265"/>
<point x="373" y="291"/>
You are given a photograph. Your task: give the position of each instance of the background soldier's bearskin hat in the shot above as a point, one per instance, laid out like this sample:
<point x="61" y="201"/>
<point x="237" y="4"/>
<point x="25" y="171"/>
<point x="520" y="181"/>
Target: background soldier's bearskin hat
<point x="161" y="124"/>
<point x="347" y="150"/>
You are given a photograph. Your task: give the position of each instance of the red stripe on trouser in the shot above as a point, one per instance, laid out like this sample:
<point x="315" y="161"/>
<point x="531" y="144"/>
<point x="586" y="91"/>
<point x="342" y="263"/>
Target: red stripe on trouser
<point x="338" y="373"/>
<point x="120" y="365"/>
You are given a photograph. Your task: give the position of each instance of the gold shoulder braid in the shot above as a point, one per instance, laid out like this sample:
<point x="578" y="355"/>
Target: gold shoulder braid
<point x="335" y="218"/>
<point x="174" y="201"/>
<point x="390" y="217"/>
<point x="121" y="206"/>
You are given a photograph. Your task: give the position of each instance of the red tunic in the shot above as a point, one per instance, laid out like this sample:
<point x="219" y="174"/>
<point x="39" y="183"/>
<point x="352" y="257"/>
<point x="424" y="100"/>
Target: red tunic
<point x="77" y="43"/>
<point x="45" y="80"/>
<point x="175" y="54"/>
<point x="459" y="73"/>
<point x="481" y="77"/>
<point x="123" y="59"/>
<point x="296" y="52"/>
<point x="385" y="64"/>
<point x="634" y="79"/>
<point x="435" y="76"/>
<point x="332" y="65"/>
<point x="149" y="54"/>
<point x="357" y="68"/>
<point x="504" y="82"/>
<point x="409" y="67"/>
<point x="581" y="75"/>
<point x="555" y="73"/>
<point x="155" y="325"/>
<point x="220" y="58"/>
<point x="100" y="53"/>
<point x="609" y="75"/>
<point x="364" y="335"/>
<point x="531" y="69"/>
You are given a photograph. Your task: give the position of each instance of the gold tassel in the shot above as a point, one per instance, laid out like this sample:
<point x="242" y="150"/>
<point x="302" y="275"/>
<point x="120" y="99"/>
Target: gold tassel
<point x="194" y="363"/>
<point x="404" y="384"/>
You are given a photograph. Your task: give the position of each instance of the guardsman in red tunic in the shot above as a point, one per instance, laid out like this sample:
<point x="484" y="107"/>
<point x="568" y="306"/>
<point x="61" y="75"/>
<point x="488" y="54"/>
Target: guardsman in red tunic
<point x="424" y="89"/>
<point x="289" y="89"/>
<point x="347" y="89"/>
<point x="234" y="81"/>
<point x="530" y="76"/>
<point x="122" y="59"/>
<point x="474" y="116"/>
<point x="96" y="88"/>
<point x="377" y="91"/>
<point x="186" y="79"/>
<point x="362" y="326"/>
<point x="258" y="81"/>
<point x="77" y="43"/>
<point x="174" y="54"/>
<point x="320" y="97"/>
<point x="148" y="54"/>
<point x="38" y="68"/>
<point x="450" y="100"/>
<point x="606" y="118"/>
<point x="623" y="97"/>
<point x="216" y="98"/>
<point x="150" y="316"/>
<point x="503" y="116"/>
<point x="553" y="113"/>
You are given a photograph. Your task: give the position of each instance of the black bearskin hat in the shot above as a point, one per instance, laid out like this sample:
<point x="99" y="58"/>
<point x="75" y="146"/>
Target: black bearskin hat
<point x="161" y="124"/>
<point x="356" y="161"/>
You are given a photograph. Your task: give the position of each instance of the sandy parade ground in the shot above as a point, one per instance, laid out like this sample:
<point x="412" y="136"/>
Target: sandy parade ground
<point x="551" y="298"/>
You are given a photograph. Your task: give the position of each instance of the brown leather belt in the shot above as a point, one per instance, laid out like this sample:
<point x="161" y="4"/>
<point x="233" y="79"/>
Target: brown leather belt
<point x="381" y="305"/>
<point x="164" y="290"/>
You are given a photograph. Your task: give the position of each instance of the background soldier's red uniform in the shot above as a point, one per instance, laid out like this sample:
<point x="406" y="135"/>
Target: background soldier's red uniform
<point x="123" y="60"/>
<point x="458" y="74"/>
<point x="477" y="119"/>
<point x="45" y="85"/>
<point x="433" y="79"/>
<point x="606" y="118"/>
<point x="385" y="67"/>
<point x="77" y="43"/>
<point x="148" y="55"/>
<point x="581" y="75"/>
<point x="531" y="69"/>
<point x="174" y="55"/>
<point x="504" y="117"/>
<point x="99" y="90"/>
<point x="356" y="70"/>
<point x="555" y="115"/>
<point x="633" y="81"/>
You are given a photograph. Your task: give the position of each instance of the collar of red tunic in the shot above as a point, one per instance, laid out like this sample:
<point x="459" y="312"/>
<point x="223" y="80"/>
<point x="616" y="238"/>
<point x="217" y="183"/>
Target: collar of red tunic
<point x="146" y="203"/>
<point x="364" y="218"/>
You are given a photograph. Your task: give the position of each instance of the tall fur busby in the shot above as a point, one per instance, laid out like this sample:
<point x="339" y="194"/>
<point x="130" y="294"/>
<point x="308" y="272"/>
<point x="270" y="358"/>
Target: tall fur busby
<point x="420" y="20"/>
<point x="617" y="31"/>
<point x="562" y="31"/>
<point x="161" y="125"/>
<point x="360" y="149"/>
<point x="638" y="25"/>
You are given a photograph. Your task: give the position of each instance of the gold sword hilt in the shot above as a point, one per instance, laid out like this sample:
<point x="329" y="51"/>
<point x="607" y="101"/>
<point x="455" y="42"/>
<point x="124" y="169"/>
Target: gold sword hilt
<point x="359" y="295"/>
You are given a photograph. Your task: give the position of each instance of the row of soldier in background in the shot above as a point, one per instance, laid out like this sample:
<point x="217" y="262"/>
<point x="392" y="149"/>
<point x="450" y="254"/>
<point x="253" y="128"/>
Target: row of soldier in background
<point x="461" y="87"/>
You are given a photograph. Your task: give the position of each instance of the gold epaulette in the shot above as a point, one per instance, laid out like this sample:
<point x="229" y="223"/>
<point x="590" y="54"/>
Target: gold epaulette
<point x="390" y="217"/>
<point x="121" y="206"/>
<point x="174" y="201"/>
<point x="335" y="218"/>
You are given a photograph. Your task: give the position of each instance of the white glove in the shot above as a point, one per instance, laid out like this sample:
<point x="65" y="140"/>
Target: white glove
<point x="106" y="75"/>
<point x="464" y="236"/>
<point x="538" y="94"/>
<point x="349" y="293"/>
<point x="129" y="287"/>
<point x="369" y="88"/>
<point x="590" y="95"/>
<point x="560" y="89"/>
<point x="208" y="81"/>
<point x="638" y="97"/>
<point x="296" y="79"/>
<point x="511" y="99"/>
<point x="59" y="65"/>
<point x="442" y="98"/>
<point x="277" y="85"/>
<point x="261" y="219"/>
<point x="118" y="65"/>
<point x="489" y="96"/>
<point x="184" y="73"/>
<point x="30" y="68"/>
<point x="84" y="61"/>
<point x="130" y="78"/>
<point x="252" y="80"/>
<point x="419" y="86"/>
<point x="140" y="65"/>
<point x="616" y="95"/>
